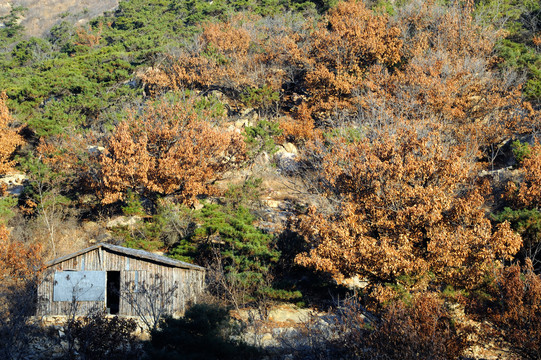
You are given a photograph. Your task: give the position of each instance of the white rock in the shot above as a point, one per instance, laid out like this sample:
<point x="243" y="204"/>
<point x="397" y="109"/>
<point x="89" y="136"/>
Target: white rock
<point x="286" y="162"/>
<point x="123" y="221"/>
<point x="290" y="148"/>
<point x="95" y="150"/>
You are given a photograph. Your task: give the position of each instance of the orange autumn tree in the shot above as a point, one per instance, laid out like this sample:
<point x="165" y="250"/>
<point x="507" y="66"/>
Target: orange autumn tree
<point x="527" y="192"/>
<point x="448" y="72"/>
<point x="170" y="148"/>
<point x="349" y="40"/>
<point x="20" y="267"/>
<point x="18" y="262"/>
<point x="408" y="206"/>
<point x="242" y="53"/>
<point x="10" y="138"/>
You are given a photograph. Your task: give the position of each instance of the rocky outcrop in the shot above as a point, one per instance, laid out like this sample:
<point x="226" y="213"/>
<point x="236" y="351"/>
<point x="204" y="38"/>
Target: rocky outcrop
<point x="42" y="15"/>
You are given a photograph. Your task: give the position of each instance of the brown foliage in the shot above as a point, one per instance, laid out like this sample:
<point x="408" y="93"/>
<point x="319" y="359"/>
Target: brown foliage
<point x="88" y="36"/>
<point x="18" y="262"/>
<point x="241" y="53"/>
<point x="519" y="310"/>
<point x="527" y="193"/>
<point x="407" y="206"/>
<point x="422" y="330"/>
<point x="9" y="137"/>
<point x="428" y="61"/>
<point x="447" y="74"/>
<point x="20" y="266"/>
<point x="167" y="149"/>
<point x="344" y="45"/>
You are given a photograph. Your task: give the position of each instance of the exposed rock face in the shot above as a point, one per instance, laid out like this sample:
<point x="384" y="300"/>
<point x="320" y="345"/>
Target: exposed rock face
<point x="123" y="221"/>
<point x="42" y="15"/>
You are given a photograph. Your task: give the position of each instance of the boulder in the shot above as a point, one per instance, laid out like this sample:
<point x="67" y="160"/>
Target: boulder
<point x="127" y="221"/>
<point x="286" y="162"/>
<point x="290" y="148"/>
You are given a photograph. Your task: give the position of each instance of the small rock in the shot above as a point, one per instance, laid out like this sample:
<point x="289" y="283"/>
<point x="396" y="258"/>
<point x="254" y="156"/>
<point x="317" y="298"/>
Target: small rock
<point x="262" y="159"/>
<point x="243" y="123"/>
<point x="355" y="282"/>
<point x="95" y="150"/>
<point x="272" y="203"/>
<point x="198" y="206"/>
<point x="246" y="111"/>
<point x="290" y="148"/>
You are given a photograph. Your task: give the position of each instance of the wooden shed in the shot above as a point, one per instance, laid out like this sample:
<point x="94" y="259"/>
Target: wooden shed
<point x="113" y="277"/>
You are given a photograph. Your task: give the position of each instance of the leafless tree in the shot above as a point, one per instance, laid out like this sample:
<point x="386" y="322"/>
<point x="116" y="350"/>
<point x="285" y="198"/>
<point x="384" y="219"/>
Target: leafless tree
<point x="151" y="300"/>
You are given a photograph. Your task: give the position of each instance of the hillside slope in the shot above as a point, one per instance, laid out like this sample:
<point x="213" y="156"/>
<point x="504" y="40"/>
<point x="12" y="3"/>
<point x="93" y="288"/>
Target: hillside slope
<point x="44" y="14"/>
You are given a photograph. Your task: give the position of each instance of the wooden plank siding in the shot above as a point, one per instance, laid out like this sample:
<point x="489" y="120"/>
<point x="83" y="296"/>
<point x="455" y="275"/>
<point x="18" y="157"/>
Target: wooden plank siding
<point x="132" y="270"/>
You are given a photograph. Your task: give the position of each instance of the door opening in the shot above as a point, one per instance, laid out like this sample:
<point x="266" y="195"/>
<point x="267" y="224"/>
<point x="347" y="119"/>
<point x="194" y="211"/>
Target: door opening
<point x="113" y="292"/>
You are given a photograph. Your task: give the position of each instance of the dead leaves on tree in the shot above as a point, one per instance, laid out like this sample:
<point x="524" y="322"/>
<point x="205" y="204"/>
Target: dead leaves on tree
<point x="409" y="207"/>
<point x="169" y="148"/>
<point x="10" y="138"/>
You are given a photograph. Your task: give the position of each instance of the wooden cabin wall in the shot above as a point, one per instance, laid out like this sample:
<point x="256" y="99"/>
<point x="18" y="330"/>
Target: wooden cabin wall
<point x="190" y="282"/>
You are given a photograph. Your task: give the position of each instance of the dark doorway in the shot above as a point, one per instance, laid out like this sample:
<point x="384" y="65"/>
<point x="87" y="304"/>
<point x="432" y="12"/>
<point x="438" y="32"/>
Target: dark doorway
<point x="113" y="292"/>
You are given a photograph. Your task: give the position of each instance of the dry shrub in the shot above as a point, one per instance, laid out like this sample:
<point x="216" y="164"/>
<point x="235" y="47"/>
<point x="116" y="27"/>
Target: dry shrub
<point x="98" y="336"/>
<point x="300" y="128"/>
<point x="422" y="330"/>
<point x="10" y="138"/>
<point x="20" y="267"/>
<point x="428" y="61"/>
<point x="518" y="309"/>
<point x="87" y="36"/>
<point x="18" y="262"/>
<point x="244" y="52"/>
<point x="527" y="193"/>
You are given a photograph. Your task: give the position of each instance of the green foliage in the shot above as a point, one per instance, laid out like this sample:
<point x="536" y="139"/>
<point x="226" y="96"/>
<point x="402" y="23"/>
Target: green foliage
<point x="205" y="332"/>
<point x="261" y="98"/>
<point x="7" y="204"/>
<point x="60" y="83"/>
<point x="523" y="58"/>
<point x="11" y="29"/>
<point x="133" y="204"/>
<point x="521" y="150"/>
<point x="519" y="19"/>
<point x="246" y="251"/>
<point x="349" y="134"/>
<point x="228" y="238"/>
<point x="31" y="51"/>
<point x="212" y="103"/>
<point x="171" y="228"/>
<point x="143" y="236"/>
<point x="509" y="14"/>
<point x="246" y="195"/>
<point x="261" y="136"/>
<point x="527" y="222"/>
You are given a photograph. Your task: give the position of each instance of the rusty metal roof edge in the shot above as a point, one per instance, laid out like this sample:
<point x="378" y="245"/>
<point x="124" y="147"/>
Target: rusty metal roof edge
<point x="132" y="252"/>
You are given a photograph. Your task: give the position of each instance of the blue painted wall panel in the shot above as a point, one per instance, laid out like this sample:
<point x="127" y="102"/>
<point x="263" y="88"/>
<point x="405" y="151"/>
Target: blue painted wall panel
<point x="81" y="285"/>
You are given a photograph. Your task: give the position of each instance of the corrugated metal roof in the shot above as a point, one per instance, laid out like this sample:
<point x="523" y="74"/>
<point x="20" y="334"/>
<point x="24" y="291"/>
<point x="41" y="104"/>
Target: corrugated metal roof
<point x="130" y="252"/>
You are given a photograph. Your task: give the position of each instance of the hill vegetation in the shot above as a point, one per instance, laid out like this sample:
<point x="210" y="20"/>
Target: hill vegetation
<point x="399" y="139"/>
